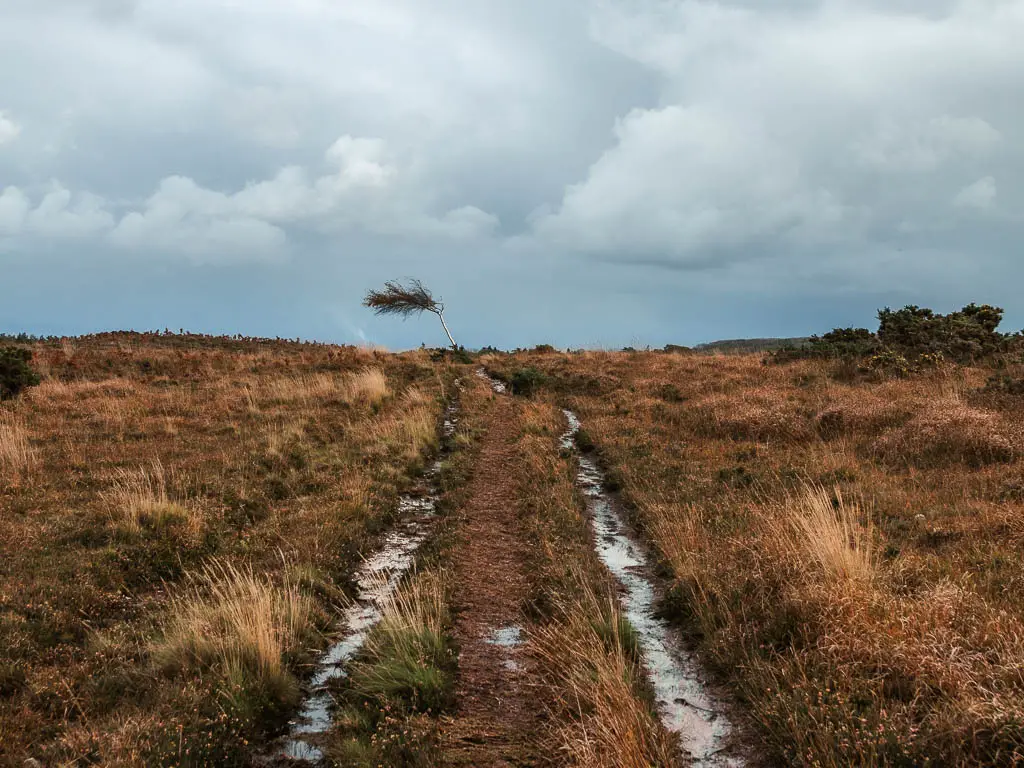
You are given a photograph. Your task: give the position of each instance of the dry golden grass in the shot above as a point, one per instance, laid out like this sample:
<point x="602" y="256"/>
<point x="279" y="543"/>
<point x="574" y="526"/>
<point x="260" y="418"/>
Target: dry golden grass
<point x="947" y="432"/>
<point x="139" y="499"/>
<point x="230" y="620"/>
<point x="159" y="452"/>
<point x="887" y="632"/>
<point x="16" y="455"/>
<point x="590" y="655"/>
<point x="824" y="529"/>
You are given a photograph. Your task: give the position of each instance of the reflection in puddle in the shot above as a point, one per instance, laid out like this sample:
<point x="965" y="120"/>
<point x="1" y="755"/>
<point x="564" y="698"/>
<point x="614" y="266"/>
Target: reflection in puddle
<point x="684" y="703"/>
<point x="376" y="579"/>
<point x="507" y="637"/>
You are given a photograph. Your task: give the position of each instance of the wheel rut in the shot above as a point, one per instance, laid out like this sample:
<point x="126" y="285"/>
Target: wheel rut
<point x="496" y="717"/>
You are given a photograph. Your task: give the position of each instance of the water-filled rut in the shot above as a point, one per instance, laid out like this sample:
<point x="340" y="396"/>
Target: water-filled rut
<point x="376" y="579"/>
<point x="685" y="704"/>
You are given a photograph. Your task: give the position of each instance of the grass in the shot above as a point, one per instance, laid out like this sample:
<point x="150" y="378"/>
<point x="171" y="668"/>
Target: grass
<point x="16" y="455"/>
<point x="889" y="631"/>
<point x="846" y="551"/>
<point x="826" y="530"/>
<point x="590" y="679"/>
<point x="139" y="500"/>
<point x="230" y="622"/>
<point x="402" y="681"/>
<point x="201" y="501"/>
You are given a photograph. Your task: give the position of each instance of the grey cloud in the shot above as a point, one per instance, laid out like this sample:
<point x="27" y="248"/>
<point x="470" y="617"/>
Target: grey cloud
<point x="687" y="148"/>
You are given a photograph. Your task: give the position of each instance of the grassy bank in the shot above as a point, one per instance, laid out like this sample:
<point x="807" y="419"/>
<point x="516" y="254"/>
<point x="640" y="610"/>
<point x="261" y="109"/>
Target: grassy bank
<point x="177" y="517"/>
<point x="391" y="704"/>
<point x="590" y="675"/>
<point x="846" y="548"/>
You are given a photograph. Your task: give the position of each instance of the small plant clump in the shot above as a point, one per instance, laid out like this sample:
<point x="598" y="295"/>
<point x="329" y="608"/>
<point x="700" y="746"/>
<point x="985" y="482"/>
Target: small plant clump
<point x="15" y="372"/>
<point x="525" y="381"/>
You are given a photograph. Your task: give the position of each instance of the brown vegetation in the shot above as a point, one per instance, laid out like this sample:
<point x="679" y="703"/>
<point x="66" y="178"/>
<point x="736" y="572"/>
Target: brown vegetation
<point x="175" y="513"/>
<point x="847" y="550"/>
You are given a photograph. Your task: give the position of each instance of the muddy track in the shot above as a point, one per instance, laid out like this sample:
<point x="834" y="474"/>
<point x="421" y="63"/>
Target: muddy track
<point x="376" y="579"/>
<point x="497" y="714"/>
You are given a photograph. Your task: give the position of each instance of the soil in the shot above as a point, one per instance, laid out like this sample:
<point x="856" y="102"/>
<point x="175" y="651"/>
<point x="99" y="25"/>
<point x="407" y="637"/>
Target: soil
<point x="497" y="716"/>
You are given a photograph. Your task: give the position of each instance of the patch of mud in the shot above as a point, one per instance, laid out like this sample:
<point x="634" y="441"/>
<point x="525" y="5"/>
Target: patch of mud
<point x="685" y="704"/>
<point x="376" y="579"/>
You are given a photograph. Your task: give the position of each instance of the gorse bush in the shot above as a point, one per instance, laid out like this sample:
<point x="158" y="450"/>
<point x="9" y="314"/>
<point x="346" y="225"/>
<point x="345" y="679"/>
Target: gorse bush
<point x="15" y="372"/>
<point x="911" y="338"/>
<point x="967" y="335"/>
<point x="526" y="381"/>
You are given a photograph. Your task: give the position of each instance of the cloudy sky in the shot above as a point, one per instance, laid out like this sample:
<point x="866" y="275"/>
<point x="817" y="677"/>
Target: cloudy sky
<point x="579" y="172"/>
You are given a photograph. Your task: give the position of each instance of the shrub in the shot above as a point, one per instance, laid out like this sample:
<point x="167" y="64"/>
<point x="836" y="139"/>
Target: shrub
<point x="15" y="372"/>
<point x="888" y="363"/>
<point x="525" y="381"/>
<point x="964" y="336"/>
<point x="1006" y="384"/>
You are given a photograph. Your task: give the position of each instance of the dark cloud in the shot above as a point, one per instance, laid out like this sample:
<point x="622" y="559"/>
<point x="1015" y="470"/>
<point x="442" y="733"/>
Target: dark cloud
<point x="602" y="171"/>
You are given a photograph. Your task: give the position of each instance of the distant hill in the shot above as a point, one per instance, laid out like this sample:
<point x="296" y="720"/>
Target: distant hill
<point x="740" y="346"/>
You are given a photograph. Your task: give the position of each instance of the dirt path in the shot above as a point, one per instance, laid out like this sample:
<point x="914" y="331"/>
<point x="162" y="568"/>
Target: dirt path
<point x="497" y="713"/>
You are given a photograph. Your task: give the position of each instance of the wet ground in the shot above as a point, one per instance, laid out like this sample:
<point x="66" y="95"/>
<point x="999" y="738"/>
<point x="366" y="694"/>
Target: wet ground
<point x="376" y="580"/>
<point x="685" y="703"/>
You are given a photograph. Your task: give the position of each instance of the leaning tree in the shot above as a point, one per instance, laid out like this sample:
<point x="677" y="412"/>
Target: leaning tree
<point x="405" y="301"/>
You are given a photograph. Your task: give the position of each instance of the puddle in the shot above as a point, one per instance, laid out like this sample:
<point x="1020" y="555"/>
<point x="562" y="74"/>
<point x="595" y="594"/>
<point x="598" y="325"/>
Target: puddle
<point x="496" y="385"/>
<point x="376" y="579"/>
<point x="684" y="702"/>
<point x="506" y="637"/>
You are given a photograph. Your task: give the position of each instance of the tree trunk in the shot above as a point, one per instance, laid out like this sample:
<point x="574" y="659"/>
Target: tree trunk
<point x="445" y="326"/>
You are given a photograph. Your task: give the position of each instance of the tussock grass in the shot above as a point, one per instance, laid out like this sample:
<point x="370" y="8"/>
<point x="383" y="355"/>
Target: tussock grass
<point x="243" y="626"/>
<point x="591" y="659"/>
<point x="16" y="454"/>
<point x="403" y="680"/>
<point x="826" y="530"/>
<point x="407" y="654"/>
<point x="139" y="499"/>
<point x="369" y="386"/>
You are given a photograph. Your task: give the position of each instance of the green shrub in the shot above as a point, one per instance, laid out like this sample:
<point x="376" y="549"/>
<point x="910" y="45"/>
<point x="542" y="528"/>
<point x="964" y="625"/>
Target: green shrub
<point x="525" y="381"/>
<point x="912" y="333"/>
<point x="15" y="372"/>
<point x="888" y="363"/>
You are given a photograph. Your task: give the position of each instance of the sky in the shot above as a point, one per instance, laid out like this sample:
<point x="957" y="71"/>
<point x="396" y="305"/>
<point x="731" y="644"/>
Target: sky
<point x="585" y="173"/>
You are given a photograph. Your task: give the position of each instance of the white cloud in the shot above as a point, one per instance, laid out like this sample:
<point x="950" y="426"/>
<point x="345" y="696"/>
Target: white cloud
<point x="363" y="190"/>
<point x="9" y="130"/>
<point x="980" y="195"/>
<point x="810" y="123"/>
<point x="14" y="207"/>
<point x="58" y="215"/>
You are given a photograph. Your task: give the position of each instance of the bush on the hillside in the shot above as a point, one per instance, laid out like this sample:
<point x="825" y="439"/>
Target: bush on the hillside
<point x="525" y="381"/>
<point x="965" y="336"/>
<point x="1006" y="384"/>
<point x="911" y="338"/>
<point x="886" y="362"/>
<point x="15" y="372"/>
